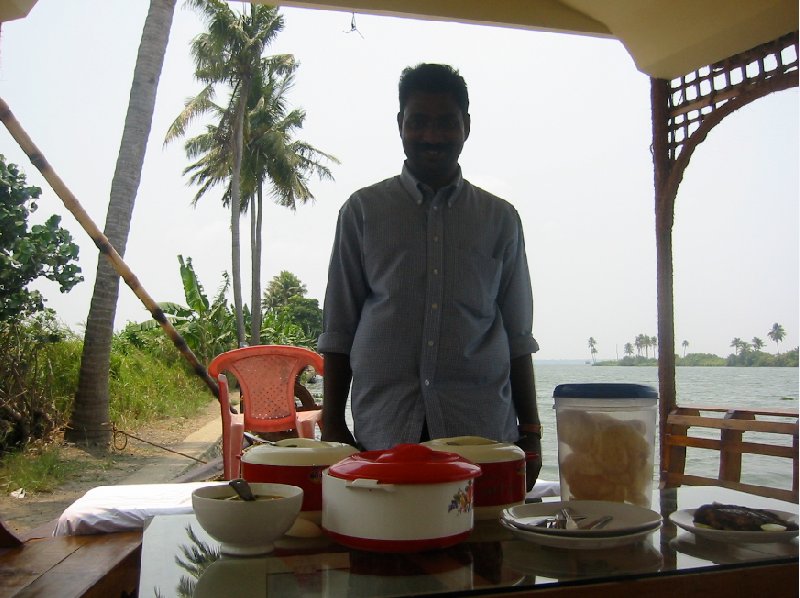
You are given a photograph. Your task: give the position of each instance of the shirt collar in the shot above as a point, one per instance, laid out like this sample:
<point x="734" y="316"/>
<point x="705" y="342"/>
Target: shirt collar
<point x="419" y="191"/>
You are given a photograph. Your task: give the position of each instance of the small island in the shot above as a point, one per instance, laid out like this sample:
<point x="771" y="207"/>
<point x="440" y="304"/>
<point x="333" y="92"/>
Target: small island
<point x="741" y="359"/>
<point x="746" y="354"/>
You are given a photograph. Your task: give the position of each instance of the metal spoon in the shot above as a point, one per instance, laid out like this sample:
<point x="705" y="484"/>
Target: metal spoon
<point x="242" y="488"/>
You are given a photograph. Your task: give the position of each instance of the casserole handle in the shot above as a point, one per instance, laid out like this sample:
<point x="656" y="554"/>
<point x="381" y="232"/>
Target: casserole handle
<point x="369" y="484"/>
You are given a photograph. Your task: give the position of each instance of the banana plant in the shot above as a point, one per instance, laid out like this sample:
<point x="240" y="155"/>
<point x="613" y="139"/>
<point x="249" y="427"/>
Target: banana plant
<point x="209" y="327"/>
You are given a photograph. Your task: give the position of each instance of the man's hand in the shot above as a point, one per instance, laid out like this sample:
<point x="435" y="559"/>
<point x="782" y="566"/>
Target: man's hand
<point x="532" y="445"/>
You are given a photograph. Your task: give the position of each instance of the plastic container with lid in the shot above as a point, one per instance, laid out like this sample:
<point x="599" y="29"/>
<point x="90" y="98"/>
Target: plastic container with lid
<point x="606" y="441"/>
<point x="404" y="499"/>
<point x="297" y="462"/>
<point x="502" y="480"/>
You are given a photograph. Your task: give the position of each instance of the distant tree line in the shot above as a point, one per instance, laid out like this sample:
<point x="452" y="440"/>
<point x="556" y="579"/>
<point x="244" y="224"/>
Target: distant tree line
<point x="745" y="353"/>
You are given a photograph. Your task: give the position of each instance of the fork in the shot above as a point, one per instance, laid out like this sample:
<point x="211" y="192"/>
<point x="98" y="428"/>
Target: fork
<point x="569" y="522"/>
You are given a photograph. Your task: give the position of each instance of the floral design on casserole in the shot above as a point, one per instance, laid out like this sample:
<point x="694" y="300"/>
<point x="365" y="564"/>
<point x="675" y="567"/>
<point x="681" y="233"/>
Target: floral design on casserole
<point x="462" y="500"/>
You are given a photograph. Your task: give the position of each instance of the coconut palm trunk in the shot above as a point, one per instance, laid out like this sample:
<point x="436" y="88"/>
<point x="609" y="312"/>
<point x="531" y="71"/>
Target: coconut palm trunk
<point x="256" y="225"/>
<point x="89" y="422"/>
<point x="236" y="203"/>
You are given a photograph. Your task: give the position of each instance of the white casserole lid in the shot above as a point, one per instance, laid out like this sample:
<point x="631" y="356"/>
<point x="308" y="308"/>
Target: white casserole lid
<point x="298" y="452"/>
<point x="478" y="449"/>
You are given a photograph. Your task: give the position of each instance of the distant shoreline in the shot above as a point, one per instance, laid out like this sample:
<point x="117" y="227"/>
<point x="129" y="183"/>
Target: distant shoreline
<point x="742" y="359"/>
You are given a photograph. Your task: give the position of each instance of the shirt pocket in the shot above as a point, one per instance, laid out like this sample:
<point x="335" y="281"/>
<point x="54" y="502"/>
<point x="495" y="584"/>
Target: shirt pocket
<point x="476" y="282"/>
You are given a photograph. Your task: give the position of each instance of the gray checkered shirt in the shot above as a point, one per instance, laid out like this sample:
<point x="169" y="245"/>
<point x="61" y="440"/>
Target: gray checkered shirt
<point x="430" y="295"/>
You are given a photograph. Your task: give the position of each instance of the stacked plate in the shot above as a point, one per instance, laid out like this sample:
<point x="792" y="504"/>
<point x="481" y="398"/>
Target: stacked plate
<point x="628" y="524"/>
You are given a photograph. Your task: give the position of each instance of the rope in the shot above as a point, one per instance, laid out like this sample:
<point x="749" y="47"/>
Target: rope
<point x="117" y="433"/>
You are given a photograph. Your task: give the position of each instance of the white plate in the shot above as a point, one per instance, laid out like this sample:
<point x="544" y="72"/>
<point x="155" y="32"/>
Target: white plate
<point x="579" y="543"/>
<point x="685" y="520"/>
<point x="626" y="518"/>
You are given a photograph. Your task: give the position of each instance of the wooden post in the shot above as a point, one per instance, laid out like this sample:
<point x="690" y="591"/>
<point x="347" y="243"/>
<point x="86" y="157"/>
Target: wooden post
<point x="730" y="459"/>
<point x="664" y="209"/>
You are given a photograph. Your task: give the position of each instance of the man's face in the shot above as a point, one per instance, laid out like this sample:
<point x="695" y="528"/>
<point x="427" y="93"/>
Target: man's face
<point x="433" y="131"/>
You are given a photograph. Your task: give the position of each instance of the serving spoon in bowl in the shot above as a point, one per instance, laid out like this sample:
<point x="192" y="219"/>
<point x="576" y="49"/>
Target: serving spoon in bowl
<point x="242" y="488"/>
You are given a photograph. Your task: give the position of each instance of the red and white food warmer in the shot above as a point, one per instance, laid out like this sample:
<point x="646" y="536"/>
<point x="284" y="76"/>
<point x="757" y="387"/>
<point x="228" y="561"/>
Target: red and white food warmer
<point x="296" y="462"/>
<point x="405" y="499"/>
<point x="502" y="481"/>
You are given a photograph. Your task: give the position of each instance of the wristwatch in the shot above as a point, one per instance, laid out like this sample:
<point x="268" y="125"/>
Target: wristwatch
<point x="535" y="429"/>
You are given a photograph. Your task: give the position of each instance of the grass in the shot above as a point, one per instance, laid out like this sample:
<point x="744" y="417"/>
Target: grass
<point x="36" y="471"/>
<point x="144" y="388"/>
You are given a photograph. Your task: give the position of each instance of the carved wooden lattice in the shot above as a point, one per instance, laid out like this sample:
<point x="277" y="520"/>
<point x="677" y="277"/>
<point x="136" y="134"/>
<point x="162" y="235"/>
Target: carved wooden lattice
<point x="737" y="80"/>
<point x="685" y="110"/>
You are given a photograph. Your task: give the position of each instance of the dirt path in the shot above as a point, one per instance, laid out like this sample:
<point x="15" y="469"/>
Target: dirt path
<point x="102" y="469"/>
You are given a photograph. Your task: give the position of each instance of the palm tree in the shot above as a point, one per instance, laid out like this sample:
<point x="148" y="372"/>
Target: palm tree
<point x="274" y="154"/>
<point x="628" y="349"/>
<point x="230" y="52"/>
<point x="268" y="150"/>
<point x="592" y="347"/>
<point x="685" y="345"/>
<point x="777" y="334"/>
<point x="645" y="343"/>
<point x="736" y="343"/>
<point x="281" y="289"/>
<point x="757" y="343"/>
<point x="639" y="343"/>
<point x="89" y="419"/>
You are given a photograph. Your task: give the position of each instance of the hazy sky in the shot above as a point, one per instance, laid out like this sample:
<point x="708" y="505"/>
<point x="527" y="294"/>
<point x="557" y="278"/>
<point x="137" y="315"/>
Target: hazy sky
<point x="560" y="127"/>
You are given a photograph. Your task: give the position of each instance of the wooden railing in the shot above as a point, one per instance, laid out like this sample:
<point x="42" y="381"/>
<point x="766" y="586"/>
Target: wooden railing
<point x="732" y="425"/>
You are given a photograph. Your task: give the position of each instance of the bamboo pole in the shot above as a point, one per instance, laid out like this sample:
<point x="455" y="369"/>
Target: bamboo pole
<point x="101" y="241"/>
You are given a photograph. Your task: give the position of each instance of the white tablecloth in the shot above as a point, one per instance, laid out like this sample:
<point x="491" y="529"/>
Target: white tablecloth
<point x="125" y="508"/>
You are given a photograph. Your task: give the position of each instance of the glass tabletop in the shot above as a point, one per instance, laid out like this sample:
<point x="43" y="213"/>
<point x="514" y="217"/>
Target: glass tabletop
<point x="180" y="560"/>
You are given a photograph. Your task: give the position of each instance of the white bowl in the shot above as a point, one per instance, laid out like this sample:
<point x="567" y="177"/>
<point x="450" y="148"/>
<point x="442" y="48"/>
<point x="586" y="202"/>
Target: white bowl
<point x="247" y="527"/>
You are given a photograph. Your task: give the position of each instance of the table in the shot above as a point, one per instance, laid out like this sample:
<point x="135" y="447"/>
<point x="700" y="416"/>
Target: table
<point x="96" y="566"/>
<point x="671" y="562"/>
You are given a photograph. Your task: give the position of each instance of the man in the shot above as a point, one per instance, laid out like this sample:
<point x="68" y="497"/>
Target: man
<point x="428" y="309"/>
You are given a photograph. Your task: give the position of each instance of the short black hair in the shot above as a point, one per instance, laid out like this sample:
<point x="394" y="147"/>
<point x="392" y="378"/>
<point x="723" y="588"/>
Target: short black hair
<point x="434" y="78"/>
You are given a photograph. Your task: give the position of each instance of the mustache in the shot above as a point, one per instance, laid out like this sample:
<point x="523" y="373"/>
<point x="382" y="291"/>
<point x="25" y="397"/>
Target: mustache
<point x="436" y="147"/>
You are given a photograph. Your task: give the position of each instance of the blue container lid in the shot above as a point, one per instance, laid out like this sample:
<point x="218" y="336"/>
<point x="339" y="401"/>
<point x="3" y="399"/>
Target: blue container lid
<point x="604" y="390"/>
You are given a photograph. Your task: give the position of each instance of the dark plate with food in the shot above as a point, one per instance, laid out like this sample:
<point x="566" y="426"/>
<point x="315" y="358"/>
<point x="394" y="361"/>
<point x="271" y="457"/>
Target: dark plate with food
<point x="736" y="523"/>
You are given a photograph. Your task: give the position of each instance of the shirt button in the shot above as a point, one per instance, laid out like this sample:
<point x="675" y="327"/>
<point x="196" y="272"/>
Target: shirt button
<point x="436" y="270"/>
<point x="435" y="306"/>
<point x="436" y="239"/>
<point x="427" y="382"/>
<point x="430" y="343"/>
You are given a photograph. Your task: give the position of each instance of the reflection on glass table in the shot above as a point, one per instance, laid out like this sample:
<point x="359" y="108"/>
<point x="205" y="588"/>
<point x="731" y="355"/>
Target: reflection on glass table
<point x="180" y="560"/>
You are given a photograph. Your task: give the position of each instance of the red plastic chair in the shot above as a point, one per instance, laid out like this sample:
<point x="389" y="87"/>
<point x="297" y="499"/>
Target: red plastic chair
<point x="266" y="375"/>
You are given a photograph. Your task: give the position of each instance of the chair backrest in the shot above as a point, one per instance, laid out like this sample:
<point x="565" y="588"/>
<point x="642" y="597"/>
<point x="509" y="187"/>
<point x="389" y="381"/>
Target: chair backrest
<point x="774" y="434"/>
<point x="266" y="375"/>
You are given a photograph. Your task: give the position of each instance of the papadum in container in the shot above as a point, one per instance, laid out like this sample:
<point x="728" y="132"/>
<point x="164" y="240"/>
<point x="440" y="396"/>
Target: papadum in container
<point x="606" y="441"/>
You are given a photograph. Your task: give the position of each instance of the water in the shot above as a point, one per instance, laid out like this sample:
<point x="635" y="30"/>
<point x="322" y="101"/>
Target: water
<point x="745" y="388"/>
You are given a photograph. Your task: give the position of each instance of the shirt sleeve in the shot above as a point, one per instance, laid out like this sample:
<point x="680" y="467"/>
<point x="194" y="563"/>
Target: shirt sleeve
<point x="347" y="287"/>
<point x="516" y="297"/>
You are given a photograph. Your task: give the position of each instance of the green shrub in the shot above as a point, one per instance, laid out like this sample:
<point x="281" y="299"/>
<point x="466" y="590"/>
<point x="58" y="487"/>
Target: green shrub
<point x="700" y="359"/>
<point x="38" y="377"/>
